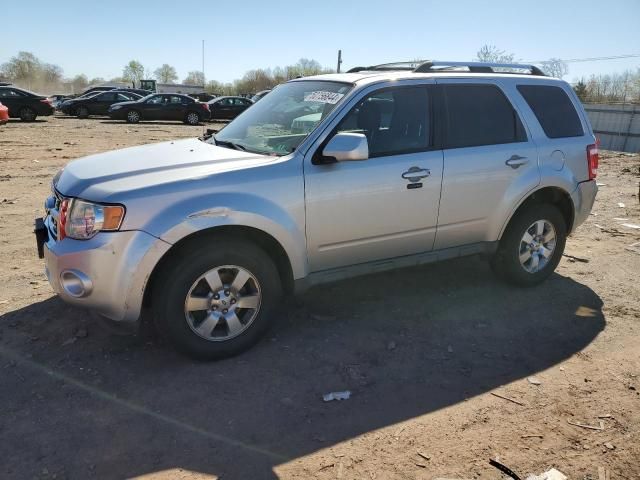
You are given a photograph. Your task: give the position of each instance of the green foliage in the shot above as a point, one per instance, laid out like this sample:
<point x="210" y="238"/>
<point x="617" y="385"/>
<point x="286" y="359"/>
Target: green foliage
<point x="165" y="74"/>
<point x="194" y="77"/>
<point x="133" y="72"/>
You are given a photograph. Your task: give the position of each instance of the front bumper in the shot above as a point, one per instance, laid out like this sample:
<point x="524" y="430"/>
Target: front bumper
<point x="583" y="198"/>
<point x="107" y="274"/>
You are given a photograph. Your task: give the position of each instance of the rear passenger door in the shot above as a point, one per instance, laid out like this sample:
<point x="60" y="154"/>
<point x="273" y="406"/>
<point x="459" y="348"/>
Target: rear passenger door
<point x="101" y="103"/>
<point x="490" y="161"/>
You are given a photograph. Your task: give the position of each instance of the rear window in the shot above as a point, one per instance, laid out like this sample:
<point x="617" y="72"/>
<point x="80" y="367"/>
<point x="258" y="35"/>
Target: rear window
<point x="480" y="115"/>
<point x="553" y="109"/>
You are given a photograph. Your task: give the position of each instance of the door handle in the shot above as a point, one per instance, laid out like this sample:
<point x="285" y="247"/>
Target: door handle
<point x="415" y="174"/>
<point x="516" y="161"/>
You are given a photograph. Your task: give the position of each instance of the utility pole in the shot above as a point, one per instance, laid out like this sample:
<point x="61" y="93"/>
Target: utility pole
<point x="339" y="60"/>
<point x="204" y="82"/>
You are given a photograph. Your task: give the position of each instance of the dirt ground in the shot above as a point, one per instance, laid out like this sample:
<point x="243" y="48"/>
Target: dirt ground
<point x="430" y="355"/>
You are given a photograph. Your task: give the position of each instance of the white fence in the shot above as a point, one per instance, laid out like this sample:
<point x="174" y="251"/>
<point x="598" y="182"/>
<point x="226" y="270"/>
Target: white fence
<point x="617" y="126"/>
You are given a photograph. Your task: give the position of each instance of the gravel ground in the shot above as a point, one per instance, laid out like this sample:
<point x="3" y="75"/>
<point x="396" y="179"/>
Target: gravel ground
<point x="432" y="356"/>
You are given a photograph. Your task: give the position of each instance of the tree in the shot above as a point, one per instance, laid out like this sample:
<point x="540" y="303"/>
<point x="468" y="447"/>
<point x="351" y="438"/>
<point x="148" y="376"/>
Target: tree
<point x="492" y="54"/>
<point x="165" y="74"/>
<point x="79" y="83"/>
<point x="194" y="78"/>
<point x="581" y="90"/>
<point x="23" y="67"/>
<point x="555" y="67"/>
<point x="51" y="74"/>
<point x="133" y="72"/>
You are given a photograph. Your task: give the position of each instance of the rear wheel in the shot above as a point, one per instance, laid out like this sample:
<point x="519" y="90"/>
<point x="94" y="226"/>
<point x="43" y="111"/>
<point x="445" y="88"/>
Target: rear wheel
<point x="217" y="299"/>
<point x="192" y="118"/>
<point x="133" y="116"/>
<point x="532" y="245"/>
<point x="82" y="112"/>
<point x="27" y="114"/>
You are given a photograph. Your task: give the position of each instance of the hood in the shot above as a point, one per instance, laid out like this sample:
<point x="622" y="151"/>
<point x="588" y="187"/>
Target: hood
<point x="112" y="176"/>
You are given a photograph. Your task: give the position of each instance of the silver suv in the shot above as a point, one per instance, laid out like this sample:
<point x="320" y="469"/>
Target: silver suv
<point x="325" y="178"/>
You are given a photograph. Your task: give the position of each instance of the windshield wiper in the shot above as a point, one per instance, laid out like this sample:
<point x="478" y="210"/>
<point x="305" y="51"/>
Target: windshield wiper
<point x="227" y="144"/>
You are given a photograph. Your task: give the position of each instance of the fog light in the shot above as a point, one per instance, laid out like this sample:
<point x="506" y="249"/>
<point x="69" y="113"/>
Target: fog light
<point x="76" y="283"/>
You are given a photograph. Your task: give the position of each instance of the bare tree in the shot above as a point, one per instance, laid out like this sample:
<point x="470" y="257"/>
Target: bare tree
<point x="133" y="72"/>
<point x="491" y="53"/>
<point x="194" y="78"/>
<point x="166" y="74"/>
<point x="555" y="67"/>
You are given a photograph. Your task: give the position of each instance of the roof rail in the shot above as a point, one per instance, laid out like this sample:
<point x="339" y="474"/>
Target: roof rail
<point x="433" y="66"/>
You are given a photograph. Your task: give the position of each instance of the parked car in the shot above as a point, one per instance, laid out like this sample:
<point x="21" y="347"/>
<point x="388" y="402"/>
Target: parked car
<point x="259" y="95"/>
<point x="57" y="99"/>
<point x="228" y="107"/>
<point x="24" y="104"/>
<point x="4" y="114"/>
<point x="407" y="164"/>
<point x="161" y="106"/>
<point x="99" y="103"/>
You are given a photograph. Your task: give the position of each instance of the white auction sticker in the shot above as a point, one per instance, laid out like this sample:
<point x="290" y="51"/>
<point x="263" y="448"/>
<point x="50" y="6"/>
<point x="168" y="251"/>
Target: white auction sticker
<point x="323" y="97"/>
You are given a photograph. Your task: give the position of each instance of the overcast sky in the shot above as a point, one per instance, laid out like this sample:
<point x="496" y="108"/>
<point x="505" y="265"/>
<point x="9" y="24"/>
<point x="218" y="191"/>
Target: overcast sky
<point x="99" y="38"/>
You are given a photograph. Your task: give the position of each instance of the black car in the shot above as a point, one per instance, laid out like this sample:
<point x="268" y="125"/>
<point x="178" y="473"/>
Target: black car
<point x="24" y="104"/>
<point x="228" y="107"/>
<point x="161" y="106"/>
<point x="259" y="95"/>
<point x="99" y="103"/>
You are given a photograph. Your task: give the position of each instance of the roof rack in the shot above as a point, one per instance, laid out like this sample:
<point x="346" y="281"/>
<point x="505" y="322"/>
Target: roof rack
<point x="432" y="66"/>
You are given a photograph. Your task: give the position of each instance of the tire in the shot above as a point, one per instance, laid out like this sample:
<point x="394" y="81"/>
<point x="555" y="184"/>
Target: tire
<point x="216" y="332"/>
<point x="133" y="116"/>
<point x="27" y="114"/>
<point x="527" y="263"/>
<point x="82" y="112"/>
<point x="192" y="118"/>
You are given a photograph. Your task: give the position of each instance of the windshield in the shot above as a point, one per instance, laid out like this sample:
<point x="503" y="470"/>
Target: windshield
<point x="278" y="123"/>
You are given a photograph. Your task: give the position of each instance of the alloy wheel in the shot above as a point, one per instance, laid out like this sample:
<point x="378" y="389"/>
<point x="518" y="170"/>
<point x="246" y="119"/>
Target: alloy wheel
<point x="537" y="246"/>
<point x="223" y="303"/>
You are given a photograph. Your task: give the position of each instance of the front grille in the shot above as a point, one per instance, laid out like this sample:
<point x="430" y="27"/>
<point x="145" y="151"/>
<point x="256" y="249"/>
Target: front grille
<point x="53" y="215"/>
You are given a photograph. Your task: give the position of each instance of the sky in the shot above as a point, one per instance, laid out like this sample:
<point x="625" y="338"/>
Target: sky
<point x="99" y="38"/>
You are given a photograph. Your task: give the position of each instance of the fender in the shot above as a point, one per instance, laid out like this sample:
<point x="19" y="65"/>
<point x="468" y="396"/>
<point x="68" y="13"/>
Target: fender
<point x="237" y="209"/>
<point x="562" y="183"/>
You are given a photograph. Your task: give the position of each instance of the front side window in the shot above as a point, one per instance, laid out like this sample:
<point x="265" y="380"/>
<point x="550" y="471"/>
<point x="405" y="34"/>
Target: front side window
<point x="394" y="120"/>
<point x="553" y="109"/>
<point x="156" y="100"/>
<point x="480" y="115"/>
<point x="10" y="94"/>
<point x="282" y="120"/>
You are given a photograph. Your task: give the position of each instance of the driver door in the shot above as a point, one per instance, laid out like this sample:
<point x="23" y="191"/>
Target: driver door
<point x="362" y="211"/>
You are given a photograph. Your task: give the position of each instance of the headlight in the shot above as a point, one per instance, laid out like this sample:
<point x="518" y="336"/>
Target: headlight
<point x="85" y="219"/>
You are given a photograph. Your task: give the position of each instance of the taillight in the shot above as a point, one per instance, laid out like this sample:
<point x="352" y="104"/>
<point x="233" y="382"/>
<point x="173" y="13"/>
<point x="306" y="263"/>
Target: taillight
<point x="62" y="219"/>
<point x="592" y="160"/>
<point x="46" y="100"/>
<point x="205" y="106"/>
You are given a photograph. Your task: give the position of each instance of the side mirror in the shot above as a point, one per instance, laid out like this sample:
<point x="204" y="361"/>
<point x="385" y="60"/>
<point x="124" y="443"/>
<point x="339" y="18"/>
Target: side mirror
<point x="344" y="147"/>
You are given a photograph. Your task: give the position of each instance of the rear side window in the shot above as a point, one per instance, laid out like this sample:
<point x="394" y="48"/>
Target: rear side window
<point x="553" y="109"/>
<point x="480" y="115"/>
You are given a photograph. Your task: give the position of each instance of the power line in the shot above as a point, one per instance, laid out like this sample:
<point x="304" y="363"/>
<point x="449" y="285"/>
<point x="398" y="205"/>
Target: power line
<point x="592" y="59"/>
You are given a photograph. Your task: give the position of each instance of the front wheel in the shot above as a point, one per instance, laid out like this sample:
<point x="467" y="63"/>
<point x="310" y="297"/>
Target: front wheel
<point x="82" y="112"/>
<point x="216" y="299"/>
<point x="192" y="118"/>
<point x="531" y="246"/>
